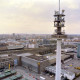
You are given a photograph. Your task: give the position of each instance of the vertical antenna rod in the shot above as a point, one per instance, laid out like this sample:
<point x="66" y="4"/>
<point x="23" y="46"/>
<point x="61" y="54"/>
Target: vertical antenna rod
<point x="59" y="6"/>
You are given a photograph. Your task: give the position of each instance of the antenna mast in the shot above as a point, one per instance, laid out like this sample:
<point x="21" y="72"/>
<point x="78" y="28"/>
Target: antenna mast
<point x="59" y="35"/>
<point x="59" y="6"/>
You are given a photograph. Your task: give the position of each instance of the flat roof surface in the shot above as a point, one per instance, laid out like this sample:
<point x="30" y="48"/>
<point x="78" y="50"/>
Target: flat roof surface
<point x="39" y="58"/>
<point x="53" y="69"/>
<point x="53" y="56"/>
<point x="70" y="65"/>
<point x="3" y="55"/>
<point x="24" y="54"/>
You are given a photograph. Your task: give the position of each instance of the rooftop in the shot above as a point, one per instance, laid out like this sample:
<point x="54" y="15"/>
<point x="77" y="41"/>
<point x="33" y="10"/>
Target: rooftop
<point x="37" y="57"/>
<point x="24" y="54"/>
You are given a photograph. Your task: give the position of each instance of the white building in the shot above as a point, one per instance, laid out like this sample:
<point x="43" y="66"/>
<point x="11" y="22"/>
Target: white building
<point x="32" y="45"/>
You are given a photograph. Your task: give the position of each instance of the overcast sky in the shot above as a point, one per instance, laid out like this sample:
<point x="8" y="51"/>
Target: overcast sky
<point x="36" y="16"/>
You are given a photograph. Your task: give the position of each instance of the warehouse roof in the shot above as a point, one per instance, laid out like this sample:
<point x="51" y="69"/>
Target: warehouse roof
<point x="24" y="54"/>
<point x="39" y="58"/>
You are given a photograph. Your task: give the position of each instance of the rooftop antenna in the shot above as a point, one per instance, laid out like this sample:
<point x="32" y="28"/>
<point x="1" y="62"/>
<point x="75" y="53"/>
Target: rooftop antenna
<point x="59" y="6"/>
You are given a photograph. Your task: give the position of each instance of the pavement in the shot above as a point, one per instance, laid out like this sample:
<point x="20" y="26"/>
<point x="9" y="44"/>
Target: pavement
<point x="32" y="75"/>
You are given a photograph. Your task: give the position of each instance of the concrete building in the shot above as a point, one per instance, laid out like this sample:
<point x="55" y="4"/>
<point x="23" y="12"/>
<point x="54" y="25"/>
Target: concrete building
<point x="32" y="62"/>
<point x="32" y="45"/>
<point x="35" y="63"/>
<point x="71" y="43"/>
<point x="64" y="73"/>
<point x="78" y="51"/>
<point x="5" y="61"/>
<point x="52" y="58"/>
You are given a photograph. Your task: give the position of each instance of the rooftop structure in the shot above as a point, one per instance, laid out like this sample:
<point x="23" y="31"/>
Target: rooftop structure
<point x="59" y="23"/>
<point x="68" y="74"/>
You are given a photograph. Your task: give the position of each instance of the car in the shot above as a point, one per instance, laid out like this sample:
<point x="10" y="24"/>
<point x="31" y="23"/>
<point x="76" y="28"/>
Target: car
<point x="1" y="70"/>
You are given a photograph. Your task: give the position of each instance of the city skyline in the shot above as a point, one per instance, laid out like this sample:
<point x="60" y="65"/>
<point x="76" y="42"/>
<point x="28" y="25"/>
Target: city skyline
<point x="36" y="16"/>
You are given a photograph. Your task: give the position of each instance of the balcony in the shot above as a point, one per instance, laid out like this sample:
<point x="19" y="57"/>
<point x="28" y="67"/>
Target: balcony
<point x="59" y="20"/>
<point x="60" y="25"/>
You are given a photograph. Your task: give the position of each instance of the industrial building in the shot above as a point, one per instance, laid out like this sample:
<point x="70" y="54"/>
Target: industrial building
<point x="64" y="73"/>
<point x="37" y="63"/>
<point x="32" y="62"/>
<point x="78" y="51"/>
<point x="52" y="58"/>
<point x="5" y="61"/>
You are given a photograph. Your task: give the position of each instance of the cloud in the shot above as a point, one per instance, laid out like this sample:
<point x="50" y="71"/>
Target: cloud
<point x="36" y="16"/>
<point x="71" y="4"/>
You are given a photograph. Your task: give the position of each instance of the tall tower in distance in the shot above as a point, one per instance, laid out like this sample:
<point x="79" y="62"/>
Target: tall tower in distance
<point x="59" y="23"/>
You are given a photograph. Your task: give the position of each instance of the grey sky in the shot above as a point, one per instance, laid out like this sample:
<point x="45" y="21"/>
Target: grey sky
<point x="36" y="16"/>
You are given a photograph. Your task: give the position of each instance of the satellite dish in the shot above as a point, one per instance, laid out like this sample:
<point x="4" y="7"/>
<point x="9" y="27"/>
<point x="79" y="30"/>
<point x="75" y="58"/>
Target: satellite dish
<point x="56" y="12"/>
<point x="55" y="30"/>
<point x="63" y="31"/>
<point x="63" y="11"/>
